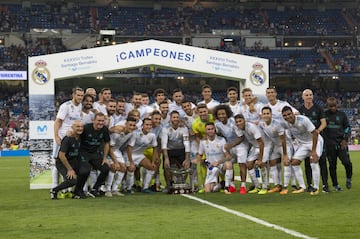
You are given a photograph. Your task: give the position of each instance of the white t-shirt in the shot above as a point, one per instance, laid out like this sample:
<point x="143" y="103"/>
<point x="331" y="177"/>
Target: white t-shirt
<point x="175" y="138"/>
<point x="68" y="113"/>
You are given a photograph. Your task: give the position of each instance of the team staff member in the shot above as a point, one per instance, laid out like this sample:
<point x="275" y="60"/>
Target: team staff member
<point x="316" y="114"/>
<point x="94" y="149"/>
<point x="336" y="135"/>
<point x="67" y="161"/>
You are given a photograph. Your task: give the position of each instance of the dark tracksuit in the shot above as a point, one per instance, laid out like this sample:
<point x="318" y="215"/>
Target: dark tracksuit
<point x="337" y="130"/>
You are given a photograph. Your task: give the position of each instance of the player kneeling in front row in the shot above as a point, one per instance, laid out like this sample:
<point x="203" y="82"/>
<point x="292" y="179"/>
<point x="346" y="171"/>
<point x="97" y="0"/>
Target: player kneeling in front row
<point x="218" y="160"/>
<point x="67" y="161"/>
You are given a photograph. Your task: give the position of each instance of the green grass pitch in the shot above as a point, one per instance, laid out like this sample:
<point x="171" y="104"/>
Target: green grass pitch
<point x="31" y="214"/>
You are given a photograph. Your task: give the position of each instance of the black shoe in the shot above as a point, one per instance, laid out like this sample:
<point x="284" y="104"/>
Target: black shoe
<point x="348" y="183"/>
<point x="136" y="188"/>
<point x="97" y="193"/>
<point x="53" y="195"/>
<point x="325" y="189"/>
<point x="338" y="188"/>
<point x="294" y="187"/>
<point x="310" y="189"/>
<point x="80" y="195"/>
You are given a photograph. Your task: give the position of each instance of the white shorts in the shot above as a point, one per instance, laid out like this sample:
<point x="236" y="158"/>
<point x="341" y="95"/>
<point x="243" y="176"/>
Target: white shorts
<point x="137" y="158"/>
<point x="277" y="152"/>
<point x="212" y="175"/>
<point x="119" y="156"/>
<point x="240" y="152"/>
<point x="254" y="154"/>
<point x="304" y="150"/>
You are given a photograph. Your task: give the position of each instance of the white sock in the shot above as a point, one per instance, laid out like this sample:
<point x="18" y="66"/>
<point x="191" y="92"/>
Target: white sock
<point x="93" y="177"/>
<point x="243" y="184"/>
<point x="265" y="177"/>
<point x="228" y="177"/>
<point x="129" y="180"/>
<point x="157" y="179"/>
<point x="149" y="175"/>
<point x="279" y="169"/>
<point x="118" y="179"/>
<point x="194" y="174"/>
<point x="293" y="177"/>
<point x="253" y="177"/>
<point x="275" y="174"/>
<point x="55" y="176"/>
<point x="109" y="181"/>
<point x="315" y="169"/>
<point x="287" y="176"/>
<point x="143" y="174"/>
<point x="299" y="175"/>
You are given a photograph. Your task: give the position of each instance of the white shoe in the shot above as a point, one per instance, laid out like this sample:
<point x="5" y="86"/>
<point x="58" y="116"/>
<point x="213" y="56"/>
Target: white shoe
<point x="108" y="194"/>
<point x="117" y="193"/>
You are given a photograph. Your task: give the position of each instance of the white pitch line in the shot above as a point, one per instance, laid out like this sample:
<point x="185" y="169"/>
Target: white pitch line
<point x="250" y="218"/>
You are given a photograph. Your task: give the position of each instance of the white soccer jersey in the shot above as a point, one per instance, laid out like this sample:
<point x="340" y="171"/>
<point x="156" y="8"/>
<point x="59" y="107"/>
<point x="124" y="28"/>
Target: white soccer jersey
<point x="226" y="130"/>
<point x="140" y="141"/>
<point x="87" y="118"/>
<point x="173" y="106"/>
<point x="115" y="119"/>
<point x="251" y="116"/>
<point x="301" y="129"/>
<point x="123" y="122"/>
<point x="213" y="149"/>
<point x="236" y="109"/>
<point x="251" y="132"/>
<point x="100" y="107"/>
<point x="273" y="130"/>
<point x="156" y="131"/>
<point x="175" y="138"/>
<point x="120" y="141"/>
<point x="68" y="113"/>
<point x="277" y="108"/>
<point x="211" y="104"/>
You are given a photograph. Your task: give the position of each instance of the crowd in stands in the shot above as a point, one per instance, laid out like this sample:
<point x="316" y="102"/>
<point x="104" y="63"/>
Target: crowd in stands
<point x="177" y="21"/>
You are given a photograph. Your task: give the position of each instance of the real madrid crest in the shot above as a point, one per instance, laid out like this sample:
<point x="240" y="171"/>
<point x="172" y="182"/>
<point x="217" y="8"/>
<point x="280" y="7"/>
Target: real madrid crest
<point x="257" y="76"/>
<point x="40" y="74"/>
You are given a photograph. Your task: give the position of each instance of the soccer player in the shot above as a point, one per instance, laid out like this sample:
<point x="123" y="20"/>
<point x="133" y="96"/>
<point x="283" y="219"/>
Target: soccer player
<point x="175" y="146"/>
<point x="259" y="152"/>
<point x="88" y="113"/>
<point x="282" y="147"/>
<point x="188" y="119"/>
<point x="94" y="149"/>
<point x="310" y="144"/>
<point x="104" y="97"/>
<point x="119" y="114"/>
<point x="198" y="127"/>
<point x="119" y="140"/>
<point x="140" y="141"/>
<point x="250" y="108"/>
<point x="234" y="103"/>
<point x="336" y="136"/>
<point x="225" y="127"/>
<point x="67" y="161"/>
<point x="218" y="159"/>
<point x="68" y="112"/>
<point x="206" y="93"/>
<point x="276" y="106"/>
<point x="177" y="98"/>
<point x="316" y="114"/>
<point x="159" y="96"/>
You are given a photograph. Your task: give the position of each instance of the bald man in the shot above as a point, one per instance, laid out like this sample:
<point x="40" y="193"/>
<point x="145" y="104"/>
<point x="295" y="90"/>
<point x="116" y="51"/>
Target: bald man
<point x="317" y="116"/>
<point x="67" y="160"/>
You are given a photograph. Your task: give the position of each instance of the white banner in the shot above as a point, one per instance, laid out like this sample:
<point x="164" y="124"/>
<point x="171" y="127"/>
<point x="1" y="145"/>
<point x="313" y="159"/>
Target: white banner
<point x="41" y="129"/>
